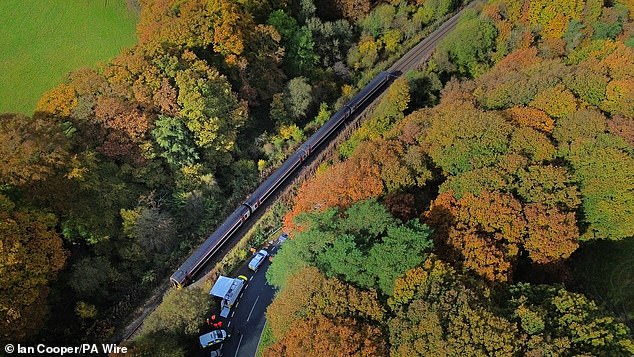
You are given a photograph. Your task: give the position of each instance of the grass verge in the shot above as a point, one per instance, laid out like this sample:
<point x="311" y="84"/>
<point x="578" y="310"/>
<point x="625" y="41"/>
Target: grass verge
<point x="266" y="340"/>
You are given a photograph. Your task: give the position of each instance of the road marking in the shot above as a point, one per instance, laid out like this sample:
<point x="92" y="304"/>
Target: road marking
<point x="229" y="324"/>
<point x="238" y="349"/>
<point x="256" y="301"/>
<point x="261" y="333"/>
<point x="233" y="313"/>
<point x="251" y="278"/>
<point x="238" y="303"/>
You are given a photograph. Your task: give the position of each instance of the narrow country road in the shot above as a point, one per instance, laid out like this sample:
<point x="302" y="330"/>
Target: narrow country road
<point x="247" y="319"/>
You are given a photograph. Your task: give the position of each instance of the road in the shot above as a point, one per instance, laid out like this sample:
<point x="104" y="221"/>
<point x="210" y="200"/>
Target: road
<point x="246" y="320"/>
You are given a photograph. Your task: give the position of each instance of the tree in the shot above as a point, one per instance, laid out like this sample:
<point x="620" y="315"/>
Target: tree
<point x="552" y="235"/>
<point x="532" y="144"/>
<point x="31" y="255"/>
<point x="462" y="139"/>
<point x="59" y="101"/>
<point x="557" y="101"/>
<point x="486" y="231"/>
<point x="475" y="181"/>
<point x="179" y="313"/>
<point x="319" y="336"/>
<point x="176" y="141"/>
<point x="339" y="186"/>
<point x="441" y="315"/>
<point x="174" y="24"/>
<point x="152" y="228"/>
<point x="562" y="322"/>
<point x="366" y="247"/>
<point x="92" y="277"/>
<point x="402" y="248"/>
<point x="232" y="26"/>
<point x="623" y="127"/>
<point x="301" y="51"/>
<point x="297" y="97"/>
<point x="548" y="185"/>
<point x="208" y="106"/>
<point x="531" y="117"/>
<point x="605" y="171"/>
<point x="468" y="46"/>
<point x="32" y="149"/>
<point x="308" y="292"/>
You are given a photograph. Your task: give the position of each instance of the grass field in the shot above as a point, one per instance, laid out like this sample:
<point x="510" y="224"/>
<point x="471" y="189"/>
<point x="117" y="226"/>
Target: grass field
<point x="605" y="270"/>
<point x="42" y="40"/>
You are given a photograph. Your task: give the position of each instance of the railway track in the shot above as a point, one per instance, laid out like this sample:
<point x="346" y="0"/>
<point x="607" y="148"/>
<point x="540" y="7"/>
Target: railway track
<point x="423" y="50"/>
<point x="410" y="61"/>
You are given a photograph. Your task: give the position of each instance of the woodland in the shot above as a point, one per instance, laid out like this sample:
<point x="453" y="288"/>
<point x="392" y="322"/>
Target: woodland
<point x="477" y="211"/>
<point x="123" y="169"/>
<point x="460" y="225"/>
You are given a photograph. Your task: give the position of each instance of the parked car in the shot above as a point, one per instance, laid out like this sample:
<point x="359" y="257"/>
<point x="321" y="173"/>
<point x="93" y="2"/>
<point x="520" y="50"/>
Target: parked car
<point x="257" y="260"/>
<point x="213" y="337"/>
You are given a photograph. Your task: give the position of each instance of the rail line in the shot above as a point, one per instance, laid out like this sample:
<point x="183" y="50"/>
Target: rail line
<point x="409" y="61"/>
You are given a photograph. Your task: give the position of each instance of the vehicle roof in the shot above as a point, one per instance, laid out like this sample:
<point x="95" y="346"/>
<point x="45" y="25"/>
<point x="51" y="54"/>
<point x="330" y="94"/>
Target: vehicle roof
<point x="212" y="336"/>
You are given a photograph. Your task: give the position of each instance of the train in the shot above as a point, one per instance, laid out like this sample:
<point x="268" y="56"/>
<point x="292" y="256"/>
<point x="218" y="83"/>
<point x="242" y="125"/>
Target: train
<point x="210" y="246"/>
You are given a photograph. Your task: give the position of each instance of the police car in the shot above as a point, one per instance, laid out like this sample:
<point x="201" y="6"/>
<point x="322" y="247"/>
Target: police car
<point x="257" y="260"/>
<point x="213" y="337"/>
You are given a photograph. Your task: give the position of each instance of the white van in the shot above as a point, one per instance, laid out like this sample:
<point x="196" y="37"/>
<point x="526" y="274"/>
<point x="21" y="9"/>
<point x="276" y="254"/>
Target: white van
<point x="257" y="260"/>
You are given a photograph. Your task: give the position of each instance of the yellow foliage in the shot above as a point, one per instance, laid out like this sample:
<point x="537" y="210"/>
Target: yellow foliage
<point x="557" y="101"/>
<point x="531" y="117"/>
<point x="391" y="40"/>
<point x="346" y="90"/>
<point x="368" y="46"/>
<point x="556" y="27"/>
<point x="59" y="101"/>
<point x="620" y="97"/>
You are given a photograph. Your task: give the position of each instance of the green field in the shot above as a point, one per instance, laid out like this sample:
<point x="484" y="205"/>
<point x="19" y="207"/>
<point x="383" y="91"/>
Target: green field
<point x="42" y="40"/>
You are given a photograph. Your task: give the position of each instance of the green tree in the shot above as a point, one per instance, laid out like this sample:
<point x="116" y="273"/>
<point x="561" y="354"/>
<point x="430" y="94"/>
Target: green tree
<point x="605" y="171"/>
<point x="462" y="139"/>
<point x="297" y="97"/>
<point x="182" y="311"/>
<point x="562" y="322"/>
<point x="93" y="277"/>
<point x="366" y="246"/>
<point x="175" y="140"/>
<point x="468" y="47"/>
<point x="209" y="108"/>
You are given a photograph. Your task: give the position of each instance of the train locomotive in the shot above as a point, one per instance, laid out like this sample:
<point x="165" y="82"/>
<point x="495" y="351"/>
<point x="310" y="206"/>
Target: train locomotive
<point x="210" y="246"/>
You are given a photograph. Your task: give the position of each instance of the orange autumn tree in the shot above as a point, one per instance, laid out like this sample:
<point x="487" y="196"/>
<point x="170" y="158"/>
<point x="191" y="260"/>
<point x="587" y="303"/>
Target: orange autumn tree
<point x="552" y="234"/>
<point x="339" y="186"/>
<point x="319" y="336"/>
<point x="531" y="117"/>
<point x="308" y="292"/>
<point x="487" y="232"/>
